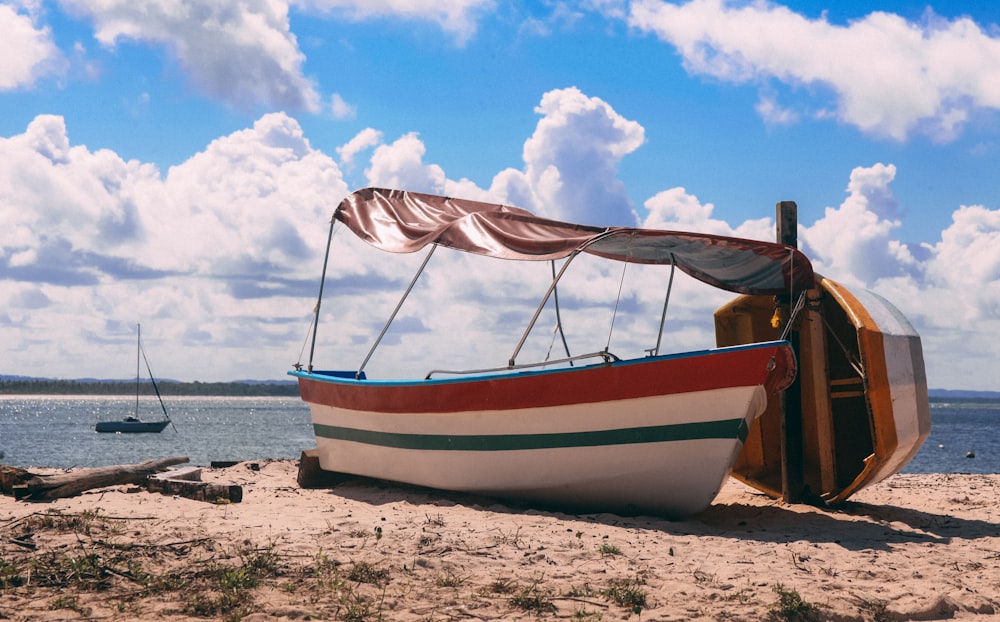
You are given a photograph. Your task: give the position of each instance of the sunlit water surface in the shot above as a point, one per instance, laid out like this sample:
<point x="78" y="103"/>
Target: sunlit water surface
<point x="58" y="431"/>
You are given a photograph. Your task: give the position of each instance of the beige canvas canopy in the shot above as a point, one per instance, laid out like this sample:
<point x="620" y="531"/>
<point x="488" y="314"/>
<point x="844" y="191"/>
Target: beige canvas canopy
<point x="402" y="222"/>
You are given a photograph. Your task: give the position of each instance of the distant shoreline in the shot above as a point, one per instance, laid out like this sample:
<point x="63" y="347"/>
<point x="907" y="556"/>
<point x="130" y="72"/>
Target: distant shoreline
<point x="171" y="388"/>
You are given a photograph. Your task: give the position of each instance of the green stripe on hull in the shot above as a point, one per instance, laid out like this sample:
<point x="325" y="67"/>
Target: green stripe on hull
<point x="727" y="429"/>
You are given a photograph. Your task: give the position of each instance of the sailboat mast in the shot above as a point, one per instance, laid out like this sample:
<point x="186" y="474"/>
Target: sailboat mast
<point x="138" y="350"/>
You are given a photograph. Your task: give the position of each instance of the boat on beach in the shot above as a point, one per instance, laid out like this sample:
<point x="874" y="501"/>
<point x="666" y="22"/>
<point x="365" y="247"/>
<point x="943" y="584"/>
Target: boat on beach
<point x="657" y="433"/>
<point x="132" y="424"/>
<point x="862" y="398"/>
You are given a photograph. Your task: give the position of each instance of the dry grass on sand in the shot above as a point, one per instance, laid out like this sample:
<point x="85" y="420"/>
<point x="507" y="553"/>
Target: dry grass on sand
<point x="916" y="547"/>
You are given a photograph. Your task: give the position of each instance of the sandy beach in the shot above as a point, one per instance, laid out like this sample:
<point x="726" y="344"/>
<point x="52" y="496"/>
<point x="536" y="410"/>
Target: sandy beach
<point x="915" y="547"/>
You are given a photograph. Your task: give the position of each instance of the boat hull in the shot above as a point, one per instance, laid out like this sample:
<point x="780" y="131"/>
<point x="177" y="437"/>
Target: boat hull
<point x="865" y="410"/>
<point x="657" y="435"/>
<point x="131" y="427"/>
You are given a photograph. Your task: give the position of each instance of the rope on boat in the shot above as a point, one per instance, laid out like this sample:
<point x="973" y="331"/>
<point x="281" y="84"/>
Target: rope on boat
<point x="305" y="340"/>
<point x="155" y="387"/>
<point x="511" y="362"/>
<point x="779" y="307"/>
<point x="621" y="283"/>
<point x="153" y="380"/>
<point x="852" y="358"/>
<point x="138" y="352"/>
<point x="791" y="316"/>
<point x="558" y="328"/>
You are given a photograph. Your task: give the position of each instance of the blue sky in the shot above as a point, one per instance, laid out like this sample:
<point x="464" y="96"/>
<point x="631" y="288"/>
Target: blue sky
<point x="176" y="163"/>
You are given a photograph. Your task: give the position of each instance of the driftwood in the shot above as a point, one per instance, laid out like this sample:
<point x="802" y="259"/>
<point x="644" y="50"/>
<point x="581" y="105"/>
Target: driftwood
<point x="12" y="476"/>
<point x="187" y="483"/>
<point x="154" y="475"/>
<point x="34" y="487"/>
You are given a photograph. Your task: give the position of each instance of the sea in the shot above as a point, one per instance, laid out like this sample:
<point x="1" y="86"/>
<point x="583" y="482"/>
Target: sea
<point x="58" y="431"/>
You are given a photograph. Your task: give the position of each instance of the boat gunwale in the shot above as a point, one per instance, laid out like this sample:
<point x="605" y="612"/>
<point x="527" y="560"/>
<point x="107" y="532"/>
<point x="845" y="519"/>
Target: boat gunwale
<point x="334" y="376"/>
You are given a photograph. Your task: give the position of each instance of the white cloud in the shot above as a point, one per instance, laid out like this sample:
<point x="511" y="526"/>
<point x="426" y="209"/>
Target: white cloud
<point x="237" y="51"/>
<point x="571" y="161"/>
<point x="570" y="164"/>
<point x="950" y="289"/>
<point x="400" y="165"/>
<point x="890" y="77"/>
<point x="773" y="113"/>
<point x="241" y="52"/>
<point x="365" y="139"/>
<point x="29" y="52"/>
<point x="852" y="243"/>
<point x="957" y="305"/>
<point x="341" y="109"/>
<point x="676" y="210"/>
<point x="66" y="208"/>
<point x="966" y="262"/>
<point x="220" y="256"/>
<point x="561" y="16"/>
<point x="455" y="16"/>
<point x="615" y="9"/>
<point x="256" y="191"/>
<point x="573" y="155"/>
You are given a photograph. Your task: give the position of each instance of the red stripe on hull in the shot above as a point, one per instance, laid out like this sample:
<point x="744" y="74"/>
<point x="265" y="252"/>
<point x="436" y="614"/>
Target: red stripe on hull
<point x="716" y="369"/>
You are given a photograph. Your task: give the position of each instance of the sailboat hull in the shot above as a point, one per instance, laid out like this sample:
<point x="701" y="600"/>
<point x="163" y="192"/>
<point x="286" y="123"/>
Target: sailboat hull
<point x="131" y="427"/>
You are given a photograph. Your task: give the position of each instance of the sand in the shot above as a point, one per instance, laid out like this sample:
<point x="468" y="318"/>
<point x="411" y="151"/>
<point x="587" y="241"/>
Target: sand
<point x="915" y="547"/>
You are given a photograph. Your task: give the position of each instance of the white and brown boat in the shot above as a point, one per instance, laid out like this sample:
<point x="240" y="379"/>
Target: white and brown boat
<point x="863" y="391"/>
<point x="656" y="433"/>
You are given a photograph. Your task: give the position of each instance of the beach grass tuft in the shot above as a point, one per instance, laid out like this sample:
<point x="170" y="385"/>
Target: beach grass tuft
<point x="627" y="592"/>
<point x="791" y="606"/>
<point x="533" y="598"/>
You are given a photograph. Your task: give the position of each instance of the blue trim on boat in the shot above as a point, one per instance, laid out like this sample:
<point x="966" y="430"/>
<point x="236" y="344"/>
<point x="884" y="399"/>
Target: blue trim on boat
<point x="724" y="429"/>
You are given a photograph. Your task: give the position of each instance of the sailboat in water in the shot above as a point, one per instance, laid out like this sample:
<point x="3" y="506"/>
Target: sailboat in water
<point x="132" y="423"/>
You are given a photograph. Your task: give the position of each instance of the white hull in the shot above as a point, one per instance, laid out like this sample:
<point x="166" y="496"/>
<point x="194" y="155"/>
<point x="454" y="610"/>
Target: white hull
<point x="669" y="477"/>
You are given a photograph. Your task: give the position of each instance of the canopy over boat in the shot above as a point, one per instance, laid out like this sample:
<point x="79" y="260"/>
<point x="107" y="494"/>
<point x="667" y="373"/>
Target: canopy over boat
<point x="402" y="222"/>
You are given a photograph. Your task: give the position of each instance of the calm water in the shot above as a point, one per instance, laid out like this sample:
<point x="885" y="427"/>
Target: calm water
<point x="957" y="428"/>
<point x="55" y="431"/>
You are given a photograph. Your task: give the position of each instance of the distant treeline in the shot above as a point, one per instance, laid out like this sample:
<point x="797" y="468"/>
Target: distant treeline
<point x="76" y="387"/>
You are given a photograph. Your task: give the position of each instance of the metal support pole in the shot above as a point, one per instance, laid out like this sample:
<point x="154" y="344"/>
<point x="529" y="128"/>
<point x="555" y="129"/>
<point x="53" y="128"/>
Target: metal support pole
<point x="666" y="301"/>
<point x="555" y="281"/>
<point x="399" y="305"/>
<point x="319" y="298"/>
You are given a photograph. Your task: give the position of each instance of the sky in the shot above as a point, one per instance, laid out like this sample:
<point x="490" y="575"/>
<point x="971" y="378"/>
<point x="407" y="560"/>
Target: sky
<point x="175" y="164"/>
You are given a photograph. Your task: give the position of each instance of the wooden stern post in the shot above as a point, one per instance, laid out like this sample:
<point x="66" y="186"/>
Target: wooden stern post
<point x="792" y="476"/>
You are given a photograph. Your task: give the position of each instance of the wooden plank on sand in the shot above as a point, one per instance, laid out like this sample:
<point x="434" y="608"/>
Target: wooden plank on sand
<point x="187" y="483"/>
